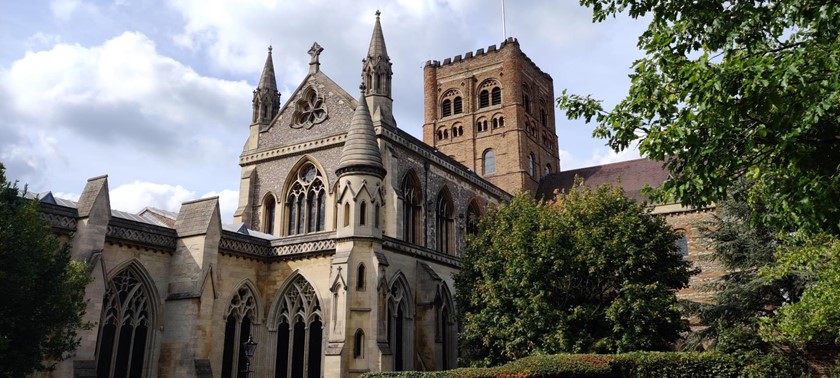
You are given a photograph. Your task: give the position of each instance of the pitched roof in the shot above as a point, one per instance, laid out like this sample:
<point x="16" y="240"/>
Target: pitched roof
<point x="631" y="175"/>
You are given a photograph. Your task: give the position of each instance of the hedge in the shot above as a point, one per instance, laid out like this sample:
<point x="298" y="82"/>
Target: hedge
<point x="630" y="365"/>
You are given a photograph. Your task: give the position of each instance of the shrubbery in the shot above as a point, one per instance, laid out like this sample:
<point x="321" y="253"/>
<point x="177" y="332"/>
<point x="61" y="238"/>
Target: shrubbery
<point x="629" y="365"/>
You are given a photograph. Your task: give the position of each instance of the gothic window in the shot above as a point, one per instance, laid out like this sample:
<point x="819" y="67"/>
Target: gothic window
<point x="458" y="106"/>
<point x="126" y="327"/>
<point x="445" y="327"/>
<point x="306" y="201"/>
<point x="376" y="215"/>
<point x="489" y="159"/>
<point x="444" y="223"/>
<point x="299" y="332"/>
<point x="682" y="243"/>
<point x="547" y="169"/>
<point x="399" y="324"/>
<point x="412" y="198"/>
<point x="346" y="214"/>
<point x="239" y="317"/>
<point x="446" y="108"/>
<point x="473" y="213"/>
<point x="309" y="110"/>
<point x="269" y="209"/>
<point x="362" y="213"/>
<point x="359" y="344"/>
<point x="496" y="96"/>
<point x="483" y="99"/>
<point x="360" y="277"/>
<point x="532" y="162"/>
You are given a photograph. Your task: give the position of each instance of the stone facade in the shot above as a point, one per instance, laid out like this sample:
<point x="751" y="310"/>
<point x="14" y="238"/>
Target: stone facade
<point x="341" y="256"/>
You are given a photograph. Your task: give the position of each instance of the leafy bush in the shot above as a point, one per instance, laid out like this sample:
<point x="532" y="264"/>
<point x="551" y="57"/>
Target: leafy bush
<point x="630" y="365"/>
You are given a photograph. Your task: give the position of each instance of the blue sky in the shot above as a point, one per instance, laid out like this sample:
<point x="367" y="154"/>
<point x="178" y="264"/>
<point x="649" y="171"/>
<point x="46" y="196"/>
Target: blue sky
<point x="157" y="94"/>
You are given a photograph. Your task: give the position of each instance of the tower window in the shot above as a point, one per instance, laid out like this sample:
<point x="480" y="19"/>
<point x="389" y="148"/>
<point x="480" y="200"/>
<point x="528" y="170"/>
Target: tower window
<point x="360" y="278"/>
<point x="531" y="164"/>
<point x="457" y="103"/>
<point x="358" y="344"/>
<point x="489" y="159"/>
<point x="483" y="99"/>
<point x="446" y="108"/>
<point x="497" y="96"/>
<point x="362" y="213"/>
<point x="547" y="169"/>
<point x="346" y="214"/>
<point x="481" y="125"/>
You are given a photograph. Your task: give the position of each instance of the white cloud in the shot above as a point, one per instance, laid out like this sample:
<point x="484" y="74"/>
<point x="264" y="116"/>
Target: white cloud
<point x="228" y="202"/>
<point x="137" y="195"/>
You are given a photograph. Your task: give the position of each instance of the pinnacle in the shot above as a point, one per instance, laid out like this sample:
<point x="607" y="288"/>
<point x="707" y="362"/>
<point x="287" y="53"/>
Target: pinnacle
<point x="267" y="79"/>
<point x="361" y="150"/>
<point x="377" y="41"/>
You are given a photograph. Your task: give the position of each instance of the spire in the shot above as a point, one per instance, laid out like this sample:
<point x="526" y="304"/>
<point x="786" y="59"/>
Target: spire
<point x="361" y="151"/>
<point x="267" y="79"/>
<point x="376" y="76"/>
<point x="377" y="41"/>
<point x="266" y="100"/>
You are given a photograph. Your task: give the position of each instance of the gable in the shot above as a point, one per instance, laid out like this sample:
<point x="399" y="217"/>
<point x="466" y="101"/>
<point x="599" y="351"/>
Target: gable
<point x="318" y="108"/>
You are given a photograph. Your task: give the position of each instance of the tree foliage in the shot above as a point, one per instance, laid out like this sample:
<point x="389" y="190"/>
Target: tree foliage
<point x="592" y="272"/>
<point x="734" y="88"/>
<point x="43" y="289"/>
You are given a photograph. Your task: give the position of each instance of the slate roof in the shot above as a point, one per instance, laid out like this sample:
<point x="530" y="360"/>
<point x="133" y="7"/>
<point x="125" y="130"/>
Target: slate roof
<point x="631" y="175"/>
<point x="361" y="148"/>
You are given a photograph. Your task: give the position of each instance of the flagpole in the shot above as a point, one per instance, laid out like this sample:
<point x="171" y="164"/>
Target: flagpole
<point x="504" y="31"/>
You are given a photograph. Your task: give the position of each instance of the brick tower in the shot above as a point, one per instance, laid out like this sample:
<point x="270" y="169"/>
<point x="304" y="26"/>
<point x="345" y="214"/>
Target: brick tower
<point x="493" y="112"/>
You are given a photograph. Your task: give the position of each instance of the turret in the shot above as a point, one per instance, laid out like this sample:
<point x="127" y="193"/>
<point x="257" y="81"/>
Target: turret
<point x="376" y="76"/>
<point x="360" y="172"/>
<point x="266" y="102"/>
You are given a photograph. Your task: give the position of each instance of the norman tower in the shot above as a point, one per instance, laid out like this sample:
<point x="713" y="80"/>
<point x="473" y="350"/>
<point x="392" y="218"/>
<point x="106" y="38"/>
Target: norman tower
<point x="492" y="111"/>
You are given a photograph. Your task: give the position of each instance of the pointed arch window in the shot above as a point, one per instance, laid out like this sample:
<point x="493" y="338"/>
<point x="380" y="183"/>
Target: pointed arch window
<point x="445" y="327"/>
<point x="359" y="344"/>
<point x="299" y="332"/>
<point x="269" y="211"/>
<point x="239" y="318"/>
<point x="489" y="160"/>
<point x="306" y="201"/>
<point x="363" y="213"/>
<point x="532" y="163"/>
<point x="360" y="277"/>
<point x="126" y="327"/>
<point x="473" y="213"/>
<point x="445" y="225"/>
<point x="399" y="325"/>
<point x="412" y="200"/>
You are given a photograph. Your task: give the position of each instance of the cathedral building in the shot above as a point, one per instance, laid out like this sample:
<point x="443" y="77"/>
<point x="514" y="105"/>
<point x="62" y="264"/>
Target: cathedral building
<point x="341" y="254"/>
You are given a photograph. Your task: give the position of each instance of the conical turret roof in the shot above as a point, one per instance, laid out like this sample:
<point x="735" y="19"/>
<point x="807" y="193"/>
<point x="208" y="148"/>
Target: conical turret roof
<point x="361" y="151"/>
<point x="377" y="42"/>
<point x="267" y="79"/>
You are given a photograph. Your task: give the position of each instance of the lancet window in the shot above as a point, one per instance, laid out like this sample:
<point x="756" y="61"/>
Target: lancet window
<point x="239" y="318"/>
<point x="412" y="209"/>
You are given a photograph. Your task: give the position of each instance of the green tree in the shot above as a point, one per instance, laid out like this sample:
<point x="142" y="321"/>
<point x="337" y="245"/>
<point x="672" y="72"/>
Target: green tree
<point x="734" y="88"/>
<point x="592" y="272"/>
<point x="43" y="289"/>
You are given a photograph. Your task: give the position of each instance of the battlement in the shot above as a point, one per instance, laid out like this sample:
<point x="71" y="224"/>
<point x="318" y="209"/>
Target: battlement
<point x="492" y="49"/>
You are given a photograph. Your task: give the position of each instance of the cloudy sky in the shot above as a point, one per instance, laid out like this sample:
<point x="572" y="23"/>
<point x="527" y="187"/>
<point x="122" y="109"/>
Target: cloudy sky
<point x="157" y="94"/>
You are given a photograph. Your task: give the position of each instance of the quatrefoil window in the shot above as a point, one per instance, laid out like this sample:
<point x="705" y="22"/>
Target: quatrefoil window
<point x="309" y="110"/>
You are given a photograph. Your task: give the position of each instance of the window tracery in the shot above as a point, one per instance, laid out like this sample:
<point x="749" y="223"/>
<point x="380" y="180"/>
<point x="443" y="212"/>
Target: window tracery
<point x="126" y="327"/>
<point x="309" y="110"/>
<point x="240" y="315"/>
<point x="299" y="332"/>
<point x="444" y="223"/>
<point x="412" y="198"/>
<point x="306" y="202"/>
